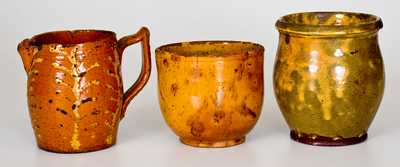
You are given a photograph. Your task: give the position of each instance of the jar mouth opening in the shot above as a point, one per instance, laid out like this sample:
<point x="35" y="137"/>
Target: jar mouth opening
<point x="209" y="48"/>
<point x="329" y="23"/>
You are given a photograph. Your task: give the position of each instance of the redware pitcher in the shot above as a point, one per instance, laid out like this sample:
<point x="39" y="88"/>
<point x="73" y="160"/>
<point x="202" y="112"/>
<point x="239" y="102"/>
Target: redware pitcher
<point x="75" y="93"/>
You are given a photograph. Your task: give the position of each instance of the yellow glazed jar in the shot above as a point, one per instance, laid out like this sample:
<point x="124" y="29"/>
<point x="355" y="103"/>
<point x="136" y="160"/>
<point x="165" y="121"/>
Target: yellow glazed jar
<point x="329" y="75"/>
<point x="210" y="92"/>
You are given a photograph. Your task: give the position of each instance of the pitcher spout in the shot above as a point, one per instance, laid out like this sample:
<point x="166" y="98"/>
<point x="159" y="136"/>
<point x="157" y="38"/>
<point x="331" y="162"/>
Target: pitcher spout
<point x="27" y="51"/>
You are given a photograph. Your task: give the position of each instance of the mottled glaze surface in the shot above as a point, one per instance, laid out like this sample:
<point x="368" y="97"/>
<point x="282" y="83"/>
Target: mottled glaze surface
<point x="75" y="92"/>
<point x="210" y="93"/>
<point x="329" y="76"/>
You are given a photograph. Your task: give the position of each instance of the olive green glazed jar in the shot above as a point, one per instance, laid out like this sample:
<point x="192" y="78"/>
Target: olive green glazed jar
<point x="329" y="75"/>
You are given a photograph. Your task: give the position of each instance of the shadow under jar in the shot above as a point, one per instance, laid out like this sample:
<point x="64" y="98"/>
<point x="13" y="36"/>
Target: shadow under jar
<point x="329" y="76"/>
<point x="210" y="92"/>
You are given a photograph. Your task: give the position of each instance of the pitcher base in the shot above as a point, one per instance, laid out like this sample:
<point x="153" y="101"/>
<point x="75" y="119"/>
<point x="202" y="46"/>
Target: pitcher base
<point x="70" y="151"/>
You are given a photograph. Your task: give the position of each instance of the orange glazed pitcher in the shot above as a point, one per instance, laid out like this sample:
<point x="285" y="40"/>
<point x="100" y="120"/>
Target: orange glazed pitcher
<point x="75" y="92"/>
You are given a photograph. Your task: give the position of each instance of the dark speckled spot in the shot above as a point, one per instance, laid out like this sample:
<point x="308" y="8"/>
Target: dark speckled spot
<point x="287" y="39"/>
<point x="246" y="111"/>
<point x="82" y="74"/>
<point x="218" y="116"/>
<point x="89" y="99"/>
<point x="165" y="62"/>
<point x="354" y="52"/>
<point x="197" y="128"/>
<point x="174" y="88"/>
<point x="174" y="58"/>
<point x="95" y="112"/>
<point x="50" y="101"/>
<point x="63" y="111"/>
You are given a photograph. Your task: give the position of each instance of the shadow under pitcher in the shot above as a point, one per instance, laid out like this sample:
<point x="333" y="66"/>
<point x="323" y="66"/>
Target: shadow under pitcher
<point x="75" y="92"/>
<point x="329" y="75"/>
<point x="210" y="92"/>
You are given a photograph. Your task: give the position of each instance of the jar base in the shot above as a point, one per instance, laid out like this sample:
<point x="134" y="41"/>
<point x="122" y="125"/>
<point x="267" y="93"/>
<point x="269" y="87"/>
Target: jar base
<point x="212" y="144"/>
<point x="55" y="150"/>
<point x="316" y="140"/>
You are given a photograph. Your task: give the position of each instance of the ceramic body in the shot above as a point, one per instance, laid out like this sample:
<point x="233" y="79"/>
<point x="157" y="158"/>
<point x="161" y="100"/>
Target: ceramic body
<point x="329" y="76"/>
<point x="75" y="92"/>
<point x="210" y="92"/>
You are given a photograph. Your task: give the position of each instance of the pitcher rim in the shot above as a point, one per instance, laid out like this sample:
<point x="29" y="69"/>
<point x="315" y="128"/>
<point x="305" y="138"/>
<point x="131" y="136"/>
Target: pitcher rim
<point x="106" y="34"/>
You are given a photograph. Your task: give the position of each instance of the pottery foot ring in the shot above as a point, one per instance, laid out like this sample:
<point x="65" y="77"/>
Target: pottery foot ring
<point x="212" y="144"/>
<point x="326" y="141"/>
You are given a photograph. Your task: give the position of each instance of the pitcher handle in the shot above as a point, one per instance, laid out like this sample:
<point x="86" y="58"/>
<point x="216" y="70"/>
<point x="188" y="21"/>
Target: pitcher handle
<point x="141" y="36"/>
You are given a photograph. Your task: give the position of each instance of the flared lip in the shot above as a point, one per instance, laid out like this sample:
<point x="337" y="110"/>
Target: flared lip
<point x="166" y="47"/>
<point x="75" y="37"/>
<point x="368" y="24"/>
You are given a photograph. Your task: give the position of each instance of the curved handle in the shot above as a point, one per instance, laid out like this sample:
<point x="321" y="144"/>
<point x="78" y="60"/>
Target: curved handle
<point x="141" y="36"/>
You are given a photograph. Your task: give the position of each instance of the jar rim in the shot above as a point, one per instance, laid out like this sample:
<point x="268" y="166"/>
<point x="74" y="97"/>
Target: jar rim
<point x="220" y="48"/>
<point x="329" y="23"/>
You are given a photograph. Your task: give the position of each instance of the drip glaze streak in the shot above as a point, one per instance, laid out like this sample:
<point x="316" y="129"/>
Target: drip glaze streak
<point x="77" y="76"/>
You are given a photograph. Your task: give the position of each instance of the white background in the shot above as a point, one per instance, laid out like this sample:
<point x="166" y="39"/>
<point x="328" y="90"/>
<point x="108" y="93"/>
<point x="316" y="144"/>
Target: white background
<point x="144" y="138"/>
